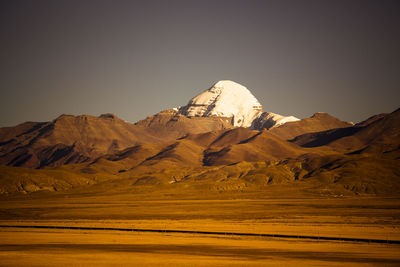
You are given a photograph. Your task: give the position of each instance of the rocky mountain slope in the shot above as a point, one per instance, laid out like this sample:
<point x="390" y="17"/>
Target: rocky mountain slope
<point x="379" y="134"/>
<point x="316" y="123"/>
<point x="200" y="147"/>
<point x="75" y="139"/>
<point x="68" y="139"/>
<point x="236" y="160"/>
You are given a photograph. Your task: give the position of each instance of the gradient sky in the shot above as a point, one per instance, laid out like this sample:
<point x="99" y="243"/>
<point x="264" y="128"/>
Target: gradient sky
<point x="136" y="58"/>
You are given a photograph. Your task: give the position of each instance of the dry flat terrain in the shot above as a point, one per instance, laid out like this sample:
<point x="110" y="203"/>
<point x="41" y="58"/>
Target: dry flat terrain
<point x="351" y="217"/>
<point x="86" y="248"/>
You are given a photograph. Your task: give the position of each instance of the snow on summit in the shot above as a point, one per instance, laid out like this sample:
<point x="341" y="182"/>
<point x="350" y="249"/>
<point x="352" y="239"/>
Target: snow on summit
<point x="225" y="99"/>
<point x="231" y="100"/>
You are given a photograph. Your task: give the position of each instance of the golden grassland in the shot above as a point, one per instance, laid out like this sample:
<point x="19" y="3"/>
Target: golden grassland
<point x="86" y="248"/>
<point x="278" y="211"/>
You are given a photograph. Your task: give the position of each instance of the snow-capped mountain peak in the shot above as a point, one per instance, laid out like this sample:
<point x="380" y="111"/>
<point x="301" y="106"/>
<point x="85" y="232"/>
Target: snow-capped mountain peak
<point x="225" y="99"/>
<point x="231" y="100"/>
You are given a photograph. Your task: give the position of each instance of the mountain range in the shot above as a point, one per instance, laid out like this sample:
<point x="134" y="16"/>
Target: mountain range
<point x="222" y="140"/>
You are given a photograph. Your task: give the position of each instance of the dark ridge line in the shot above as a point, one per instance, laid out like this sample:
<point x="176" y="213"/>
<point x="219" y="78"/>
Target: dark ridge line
<point x="346" y="239"/>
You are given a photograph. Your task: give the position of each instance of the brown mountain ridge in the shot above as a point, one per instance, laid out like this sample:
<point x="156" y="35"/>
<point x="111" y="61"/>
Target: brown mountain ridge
<point x="168" y="151"/>
<point x="75" y="139"/>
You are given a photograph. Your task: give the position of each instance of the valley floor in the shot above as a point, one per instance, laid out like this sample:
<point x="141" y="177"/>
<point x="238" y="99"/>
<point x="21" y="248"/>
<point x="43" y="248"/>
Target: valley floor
<point x="86" y="248"/>
<point x="351" y="217"/>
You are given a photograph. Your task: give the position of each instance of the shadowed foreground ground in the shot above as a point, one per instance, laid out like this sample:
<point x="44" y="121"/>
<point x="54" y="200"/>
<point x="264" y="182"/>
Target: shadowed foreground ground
<point x="79" y="248"/>
<point x="356" y="217"/>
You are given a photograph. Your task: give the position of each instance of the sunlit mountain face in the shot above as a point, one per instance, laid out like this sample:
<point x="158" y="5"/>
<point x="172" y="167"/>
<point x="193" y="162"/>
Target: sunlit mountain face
<point x="224" y="126"/>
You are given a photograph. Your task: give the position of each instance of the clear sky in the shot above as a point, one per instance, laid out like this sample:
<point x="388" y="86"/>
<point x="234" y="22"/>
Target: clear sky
<point x="136" y="58"/>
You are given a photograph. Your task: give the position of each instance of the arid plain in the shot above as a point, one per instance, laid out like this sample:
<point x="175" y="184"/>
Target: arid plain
<point x="277" y="211"/>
